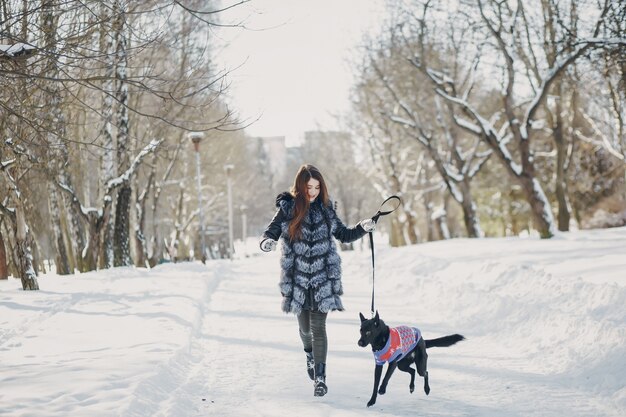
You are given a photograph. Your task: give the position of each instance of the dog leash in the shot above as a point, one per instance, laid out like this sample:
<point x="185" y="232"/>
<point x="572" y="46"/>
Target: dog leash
<point x="394" y="199"/>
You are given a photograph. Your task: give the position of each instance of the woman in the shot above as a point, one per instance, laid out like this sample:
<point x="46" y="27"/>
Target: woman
<point x="310" y="282"/>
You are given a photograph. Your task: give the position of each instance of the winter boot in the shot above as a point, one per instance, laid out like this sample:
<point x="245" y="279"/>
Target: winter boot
<point x="320" y="380"/>
<point x="310" y="365"/>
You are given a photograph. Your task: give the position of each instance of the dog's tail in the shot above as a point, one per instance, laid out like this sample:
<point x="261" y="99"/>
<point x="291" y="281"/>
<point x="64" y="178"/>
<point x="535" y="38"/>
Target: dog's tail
<point x="444" y="341"/>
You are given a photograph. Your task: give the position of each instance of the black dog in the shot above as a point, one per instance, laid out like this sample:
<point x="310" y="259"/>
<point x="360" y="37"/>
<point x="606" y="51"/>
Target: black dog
<point x="400" y="347"/>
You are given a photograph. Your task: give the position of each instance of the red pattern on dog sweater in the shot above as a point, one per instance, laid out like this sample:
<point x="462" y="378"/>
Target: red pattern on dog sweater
<point x="402" y="340"/>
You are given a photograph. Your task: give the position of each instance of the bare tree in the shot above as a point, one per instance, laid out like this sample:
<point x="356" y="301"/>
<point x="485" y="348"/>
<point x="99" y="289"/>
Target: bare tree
<point x="395" y="91"/>
<point x="109" y="63"/>
<point x="502" y="25"/>
<point x="21" y="233"/>
<point x="456" y="166"/>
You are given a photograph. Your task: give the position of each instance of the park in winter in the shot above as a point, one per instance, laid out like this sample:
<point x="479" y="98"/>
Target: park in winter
<point x="312" y="208"/>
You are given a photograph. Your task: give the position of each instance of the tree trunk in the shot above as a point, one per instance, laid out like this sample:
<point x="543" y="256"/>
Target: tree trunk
<point x="93" y="245"/>
<point x="4" y="266"/>
<point x="550" y="32"/>
<point x="561" y="187"/>
<point x="121" y="244"/>
<point x="58" y="152"/>
<point x="140" y="239"/>
<point x="141" y="260"/>
<point x="442" y="226"/>
<point x="97" y="225"/>
<point x="61" y="259"/>
<point x="561" y="160"/>
<point x="397" y="237"/>
<point x="76" y="230"/>
<point x="470" y="217"/>
<point x="11" y="248"/>
<point x="53" y="125"/>
<point x="121" y="239"/>
<point x="108" y="238"/>
<point x="25" y="266"/>
<point x="542" y="216"/>
<point x="38" y="261"/>
<point x="411" y="227"/>
<point x="156" y="247"/>
<point x="180" y="221"/>
<point x="430" y="225"/>
<point x="104" y="244"/>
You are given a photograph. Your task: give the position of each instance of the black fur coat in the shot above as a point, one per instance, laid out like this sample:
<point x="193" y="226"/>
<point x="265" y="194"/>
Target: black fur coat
<point x="310" y="266"/>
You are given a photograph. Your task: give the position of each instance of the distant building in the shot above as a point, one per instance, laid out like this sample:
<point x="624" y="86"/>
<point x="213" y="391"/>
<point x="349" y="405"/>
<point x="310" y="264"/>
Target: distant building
<point x="315" y="137"/>
<point x="282" y="162"/>
<point x="276" y="153"/>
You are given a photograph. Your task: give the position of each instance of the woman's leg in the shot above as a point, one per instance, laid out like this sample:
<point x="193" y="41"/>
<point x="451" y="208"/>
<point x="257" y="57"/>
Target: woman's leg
<point x="304" y="324"/>
<point x="318" y="331"/>
<point x="320" y="347"/>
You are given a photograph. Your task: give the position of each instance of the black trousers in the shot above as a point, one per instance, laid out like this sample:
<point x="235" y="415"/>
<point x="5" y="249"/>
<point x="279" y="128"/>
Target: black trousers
<point x="312" y="325"/>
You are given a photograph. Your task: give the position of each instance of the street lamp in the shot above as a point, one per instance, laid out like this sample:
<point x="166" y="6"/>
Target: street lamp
<point x="195" y="138"/>
<point x="228" y="168"/>
<point x="244" y="224"/>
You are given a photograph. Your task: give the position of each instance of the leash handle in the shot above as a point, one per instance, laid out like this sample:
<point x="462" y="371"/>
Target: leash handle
<point x="380" y="213"/>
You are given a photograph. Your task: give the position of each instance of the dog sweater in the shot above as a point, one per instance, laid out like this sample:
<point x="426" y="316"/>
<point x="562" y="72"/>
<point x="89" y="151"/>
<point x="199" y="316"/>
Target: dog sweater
<point x="402" y="340"/>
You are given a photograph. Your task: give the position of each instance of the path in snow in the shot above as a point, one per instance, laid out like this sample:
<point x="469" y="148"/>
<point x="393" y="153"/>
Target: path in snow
<point x="246" y="359"/>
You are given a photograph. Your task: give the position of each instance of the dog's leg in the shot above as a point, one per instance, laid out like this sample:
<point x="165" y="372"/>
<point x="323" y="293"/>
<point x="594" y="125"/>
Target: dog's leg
<point x="390" y="368"/>
<point x="406" y="367"/>
<point x="421" y="362"/>
<point x="378" y="371"/>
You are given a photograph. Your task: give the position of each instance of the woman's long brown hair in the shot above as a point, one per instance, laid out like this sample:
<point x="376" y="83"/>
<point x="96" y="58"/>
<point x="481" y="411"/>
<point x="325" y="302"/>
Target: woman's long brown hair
<point x="299" y="192"/>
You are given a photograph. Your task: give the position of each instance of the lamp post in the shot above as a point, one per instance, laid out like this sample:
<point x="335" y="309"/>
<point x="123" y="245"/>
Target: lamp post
<point x="195" y="138"/>
<point x="244" y="224"/>
<point x="229" y="168"/>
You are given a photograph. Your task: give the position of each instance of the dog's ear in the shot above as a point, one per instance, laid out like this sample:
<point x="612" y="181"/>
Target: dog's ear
<point x="362" y="317"/>
<point x="376" y="319"/>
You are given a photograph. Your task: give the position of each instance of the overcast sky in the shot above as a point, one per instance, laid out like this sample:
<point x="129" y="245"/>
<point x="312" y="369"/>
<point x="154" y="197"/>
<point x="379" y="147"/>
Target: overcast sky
<point x="294" y="72"/>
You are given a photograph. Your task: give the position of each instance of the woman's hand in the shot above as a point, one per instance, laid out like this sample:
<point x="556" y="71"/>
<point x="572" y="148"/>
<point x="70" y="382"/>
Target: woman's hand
<point x="368" y="225"/>
<point x="268" y="245"/>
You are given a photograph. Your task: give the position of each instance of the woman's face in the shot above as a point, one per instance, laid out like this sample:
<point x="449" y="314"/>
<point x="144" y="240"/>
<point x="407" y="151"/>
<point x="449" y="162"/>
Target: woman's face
<point x="313" y="189"/>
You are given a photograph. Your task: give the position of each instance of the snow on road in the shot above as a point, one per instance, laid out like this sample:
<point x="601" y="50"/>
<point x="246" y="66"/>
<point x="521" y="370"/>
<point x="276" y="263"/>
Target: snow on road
<point x="545" y="324"/>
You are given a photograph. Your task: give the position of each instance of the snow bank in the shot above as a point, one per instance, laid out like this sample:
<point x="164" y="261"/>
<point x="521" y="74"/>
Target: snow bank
<point x="91" y="341"/>
<point x="552" y="308"/>
<point x="544" y="319"/>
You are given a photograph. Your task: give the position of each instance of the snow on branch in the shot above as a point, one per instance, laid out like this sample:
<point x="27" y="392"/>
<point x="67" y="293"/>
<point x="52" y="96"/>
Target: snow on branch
<point x="125" y="177"/>
<point x="452" y="173"/>
<point x="471" y="167"/>
<point x="603" y="142"/>
<point x="559" y="66"/>
<point x="6" y="164"/>
<point x="83" y="210"/>
<point x="16" y="50"/>
<point x="467" y="125"/>
<point x="10" y="212"/>
<point x="20" y="150"/>
<point x="484" y="126"/>
<point x="402" y="121"/>
<point x="482" y="159"/>
<point x="456" y="193"/>
<point x="439" y="77"/>
<point x="602" y="42"/>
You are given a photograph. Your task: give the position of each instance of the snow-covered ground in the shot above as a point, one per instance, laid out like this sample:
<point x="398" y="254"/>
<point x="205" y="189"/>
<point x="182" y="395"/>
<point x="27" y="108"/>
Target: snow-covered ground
<point x="545" y="323"/>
